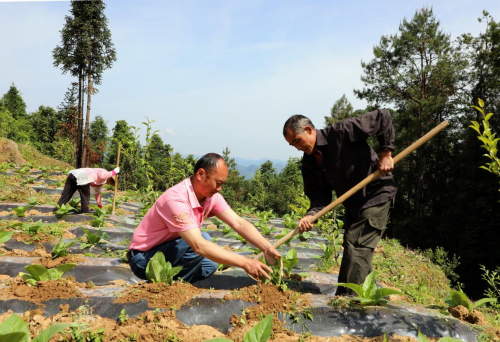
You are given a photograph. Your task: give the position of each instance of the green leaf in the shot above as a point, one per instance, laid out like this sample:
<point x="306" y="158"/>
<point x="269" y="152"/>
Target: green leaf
<point x="421" y="337"/>
<point x="14" y="329"/>
<point x="261" y="332"/>
<point x="5" y="236"/>
<point x="481" y="103"/>
<point x="449" y="339"/>
<point x="47" y="334"/>
<point x="365" y="301"/>
<point x="456" y="298"/>
<point x="384" y="292"/>
<point x="36" y="271"/>
<point x="355" y="287"/>
<point x="219" y="339"/>
<point x="57" y="272"/>
<point x="481" y="302"/>
<point x="488" y="116"/>
<point x="369" y="286"/>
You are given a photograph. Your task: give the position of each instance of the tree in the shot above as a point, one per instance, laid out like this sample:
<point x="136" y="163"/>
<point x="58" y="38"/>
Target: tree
<point x="159" y="160"/>
<point x="420" y="72"/>
<point x="86" y="51"/>
<point x="14" y="103"/>
<point x="341" y="109"/>
<point x="98" y="136"/>
<point x="233" y="188"/>
<point x="46" y="122"/>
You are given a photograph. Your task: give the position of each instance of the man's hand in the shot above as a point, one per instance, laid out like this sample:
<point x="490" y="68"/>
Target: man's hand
<point x="305" y="224"/>
<point x="271" y="254"/>
<point x="256" y="269"/>
<point x="385" y="162"/>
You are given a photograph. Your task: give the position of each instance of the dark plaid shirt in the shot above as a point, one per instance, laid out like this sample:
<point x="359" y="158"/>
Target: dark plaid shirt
<point x="347" y="159"/>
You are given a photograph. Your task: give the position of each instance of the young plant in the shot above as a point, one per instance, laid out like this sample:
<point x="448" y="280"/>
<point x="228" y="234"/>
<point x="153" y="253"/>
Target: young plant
<point x="74" y="203"/>
<point x="5" y="236"/>
<point x="20" y="211"/>
<point x="331" y="253"/>
<point x="32" y="201"/>
<point x="61" y="249"/>
<point x="290" y="261"/>
<point x="456" y="298"/>
<point x="37" y="273"/>
<point x="93" y="238"/>
<point x="62" y="210"/>
<point x="14" y="329"/>
<point x="266" y="230"/>
<point x="422" y="338"/>
<point x="259" y="333"/>
<point x="33" y="229"/>
<point x="98" y="221"/>
<point x="237" y="236"/>
<point x="276" y="275"/>
<point x="305" y="236"/>
<point x="368" y="293"/>
<point x="160" y="271"/>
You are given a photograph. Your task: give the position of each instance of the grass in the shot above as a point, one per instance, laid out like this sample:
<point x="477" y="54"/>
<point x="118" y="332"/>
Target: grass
<point x="411" y="272"/>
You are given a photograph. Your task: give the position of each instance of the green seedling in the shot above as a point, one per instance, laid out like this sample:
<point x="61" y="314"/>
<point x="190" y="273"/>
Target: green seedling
<point x="14" y="329"/>
<point x="73" y="203"/>
<point x="276" y="275"/>
<point x="422" y="338"/>
<point x="33" y="229"/>
<point x="236" y="236"/>
<point x="456" y="298"/>
<point x="251" y="249"/>
<point x="20" y="211"/>
<point x="94" y="238"/>
<point x="62" y="210"/>
<point x="5" y="236"/>
<point x="290" y="222"/>
<point x="37" y="273"/>
<point x="98" y="221"/>
<point x="32" y="201"/>
<point x="290" y="261"/>
<point x="61" y="249"/>
<point x="304" y="236"/>
<point x="266" y="230"/>
<point x="259" y="333"/>
<point x="160" y="271"/>
<point x="368" y="293"/>
<point x="123" y="316"/>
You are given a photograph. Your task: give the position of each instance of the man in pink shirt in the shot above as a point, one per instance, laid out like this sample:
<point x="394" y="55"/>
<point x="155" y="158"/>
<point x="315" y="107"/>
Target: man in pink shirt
<point x="172" y="226"/>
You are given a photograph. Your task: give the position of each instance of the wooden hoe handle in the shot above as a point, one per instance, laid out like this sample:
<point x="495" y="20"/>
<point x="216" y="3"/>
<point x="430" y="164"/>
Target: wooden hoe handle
<point x="364" y="182"/>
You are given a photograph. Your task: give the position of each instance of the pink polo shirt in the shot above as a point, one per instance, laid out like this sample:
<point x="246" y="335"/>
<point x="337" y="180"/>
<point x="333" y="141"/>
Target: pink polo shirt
<point x="176" y="210"/>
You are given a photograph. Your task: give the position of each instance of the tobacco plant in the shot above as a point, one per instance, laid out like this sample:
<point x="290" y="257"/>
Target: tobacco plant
<point x="368" y="293"/>
<point x="259" y="333"/>
<point x="62" y="210"/>
<point x="37" y="273"/>
<point x="160" y="271"/>
<point x="20" y="211"/>
<point x="94" y="238"/>
<point x="61" y="249"/>
<point x="14" y="329"/>
<point x="456" y="298"/>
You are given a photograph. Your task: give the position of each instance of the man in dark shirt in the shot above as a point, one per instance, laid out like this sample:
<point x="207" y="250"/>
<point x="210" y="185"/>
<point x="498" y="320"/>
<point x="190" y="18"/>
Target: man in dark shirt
<point x="336" y="158"/>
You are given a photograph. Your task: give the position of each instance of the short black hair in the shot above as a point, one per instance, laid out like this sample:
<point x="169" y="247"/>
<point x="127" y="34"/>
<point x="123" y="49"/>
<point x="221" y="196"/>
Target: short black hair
<point x="208" y="162"/>
<point x="296" y="123"/>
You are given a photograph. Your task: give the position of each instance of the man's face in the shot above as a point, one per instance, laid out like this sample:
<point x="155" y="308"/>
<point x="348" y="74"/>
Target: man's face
<point x="304" y="141"/>
<point x="212" y="183"/>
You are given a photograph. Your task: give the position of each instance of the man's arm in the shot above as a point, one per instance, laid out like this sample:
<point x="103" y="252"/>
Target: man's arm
<point x="210" y="250"/>
<point x="250" y="233"/>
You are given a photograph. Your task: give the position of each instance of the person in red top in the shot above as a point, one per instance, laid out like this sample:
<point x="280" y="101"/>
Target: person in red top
<point x="172" y="226"/>
<point x="86" y="181"/>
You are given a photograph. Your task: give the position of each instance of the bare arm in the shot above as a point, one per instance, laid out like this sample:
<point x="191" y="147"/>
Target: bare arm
<point x="250" y="233"/>
<point x="385" y="163"/>
<point x="210" y="250"/>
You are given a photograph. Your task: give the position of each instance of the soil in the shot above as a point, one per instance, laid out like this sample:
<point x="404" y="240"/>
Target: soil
<point x="474" y="317"/>
<point x="43" y="290"/>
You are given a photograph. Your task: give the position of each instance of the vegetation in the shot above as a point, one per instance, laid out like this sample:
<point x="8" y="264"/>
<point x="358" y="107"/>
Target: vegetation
<point x="14" y="329"/>
<point x="160" y="271"/>
<point x="37" y="273"/>
<point x="259" y="333"/>
<point x="368" y="293"/>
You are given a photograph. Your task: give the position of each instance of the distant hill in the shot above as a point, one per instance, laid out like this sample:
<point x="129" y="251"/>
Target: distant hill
<point x="247" y="167"/>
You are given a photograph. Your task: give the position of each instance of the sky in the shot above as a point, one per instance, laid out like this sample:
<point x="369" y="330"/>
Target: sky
<point x="216" y="74"/>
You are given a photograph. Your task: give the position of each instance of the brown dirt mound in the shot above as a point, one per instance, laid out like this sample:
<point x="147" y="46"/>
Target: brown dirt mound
<point x="9" y="152"/>
<point x="43" y="290"/>
<point x="160" y="295"/>
<point x="474" y="317"/>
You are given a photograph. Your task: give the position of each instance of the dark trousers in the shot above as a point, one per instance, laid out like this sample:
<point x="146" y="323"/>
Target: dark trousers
<point x="361" y="236"/>
<point x="178" y="253"/>
<point x="70" y="188"/>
